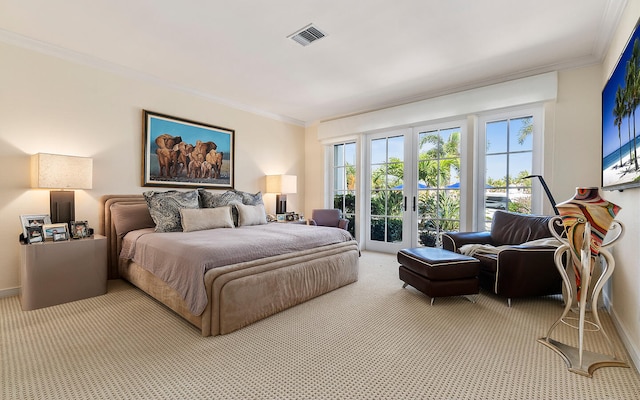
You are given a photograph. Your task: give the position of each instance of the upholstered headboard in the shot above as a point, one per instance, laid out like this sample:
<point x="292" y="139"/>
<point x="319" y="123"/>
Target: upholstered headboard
<point x="129" y="210"/>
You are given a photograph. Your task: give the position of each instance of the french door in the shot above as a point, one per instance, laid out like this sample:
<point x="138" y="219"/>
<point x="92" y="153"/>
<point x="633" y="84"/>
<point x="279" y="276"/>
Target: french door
<point x="439" y="185"/>
<point x="388" y="218"/>
<point x="413" y="190"/>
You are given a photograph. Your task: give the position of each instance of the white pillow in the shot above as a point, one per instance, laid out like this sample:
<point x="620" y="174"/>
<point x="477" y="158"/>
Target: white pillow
<point x="251" y="215"/>
<point x="199" y="219"/>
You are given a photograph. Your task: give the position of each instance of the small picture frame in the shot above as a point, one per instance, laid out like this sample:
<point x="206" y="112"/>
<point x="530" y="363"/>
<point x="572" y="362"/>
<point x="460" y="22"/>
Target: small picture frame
<point x="33" y="220"/>
<point x="56" y="232"/>
<point x="281" y="217"/>
<point x="35" y="234"/>
<point x="79" y="229"/>
<point x="60" y="236"/>
<point x="290" y="217"/>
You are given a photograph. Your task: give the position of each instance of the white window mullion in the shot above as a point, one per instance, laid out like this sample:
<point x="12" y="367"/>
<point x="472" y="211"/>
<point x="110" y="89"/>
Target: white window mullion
<point x="502" y="157"/>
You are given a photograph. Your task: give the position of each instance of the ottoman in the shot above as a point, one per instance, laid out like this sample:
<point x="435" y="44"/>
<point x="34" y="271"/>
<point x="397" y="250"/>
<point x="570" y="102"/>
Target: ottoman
<point x="439" y="273"/>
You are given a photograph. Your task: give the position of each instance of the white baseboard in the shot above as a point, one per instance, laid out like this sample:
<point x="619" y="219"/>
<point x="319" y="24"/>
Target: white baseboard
<point x="632" y="349"/>
<point x="9" y="292"/>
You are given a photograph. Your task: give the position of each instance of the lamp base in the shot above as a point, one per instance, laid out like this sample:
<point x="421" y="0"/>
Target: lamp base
<point x="281" y="204"/>
<point x="62" y="206"/>
<point x="586" y="364"/>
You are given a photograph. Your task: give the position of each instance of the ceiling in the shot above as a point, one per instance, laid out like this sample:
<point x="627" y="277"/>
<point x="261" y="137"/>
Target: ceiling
<point x="377" y="53"/>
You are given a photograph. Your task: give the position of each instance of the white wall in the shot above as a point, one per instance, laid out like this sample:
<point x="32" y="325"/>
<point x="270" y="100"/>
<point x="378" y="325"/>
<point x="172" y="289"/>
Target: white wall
<point x="315" y="170"/>
<point x="573" y="132"/>
<point x="52" y="105"/>
<point x="625" y="293"/>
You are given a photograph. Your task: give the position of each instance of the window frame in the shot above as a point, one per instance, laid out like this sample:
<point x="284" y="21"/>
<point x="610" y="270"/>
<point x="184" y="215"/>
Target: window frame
<point x="329" y="201"/>
<point x="536" y="112"/>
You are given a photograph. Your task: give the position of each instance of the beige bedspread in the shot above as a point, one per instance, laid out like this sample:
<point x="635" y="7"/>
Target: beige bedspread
<point x="181" y="258"/>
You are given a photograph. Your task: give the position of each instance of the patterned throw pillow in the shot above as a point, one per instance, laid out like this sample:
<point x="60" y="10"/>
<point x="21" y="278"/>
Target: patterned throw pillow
<point x="212" y="200"/>
<point x="164" y="208"/>
<point x="250" y="199"/>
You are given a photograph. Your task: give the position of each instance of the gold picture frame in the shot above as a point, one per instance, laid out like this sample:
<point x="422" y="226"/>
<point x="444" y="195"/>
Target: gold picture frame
<point x="181" y="153"/>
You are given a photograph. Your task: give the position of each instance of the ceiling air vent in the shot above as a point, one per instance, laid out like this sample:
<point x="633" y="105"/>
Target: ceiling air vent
<point x="307" y="35"/>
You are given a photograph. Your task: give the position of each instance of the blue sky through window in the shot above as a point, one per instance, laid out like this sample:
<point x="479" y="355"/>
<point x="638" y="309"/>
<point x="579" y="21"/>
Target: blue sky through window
<point x="502" y="139"/>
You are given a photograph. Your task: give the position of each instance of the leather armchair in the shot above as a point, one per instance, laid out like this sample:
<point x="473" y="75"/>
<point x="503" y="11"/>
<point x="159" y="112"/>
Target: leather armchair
<point x="516" y="270"/>
<point x="329" y="217"/>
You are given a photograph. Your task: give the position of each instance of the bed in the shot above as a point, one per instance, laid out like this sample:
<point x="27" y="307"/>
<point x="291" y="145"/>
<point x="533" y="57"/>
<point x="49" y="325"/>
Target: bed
<point x="238" y="292"/>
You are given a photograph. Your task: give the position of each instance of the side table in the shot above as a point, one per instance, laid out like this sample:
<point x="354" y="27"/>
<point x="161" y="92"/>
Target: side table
<point x="52" y="273"/>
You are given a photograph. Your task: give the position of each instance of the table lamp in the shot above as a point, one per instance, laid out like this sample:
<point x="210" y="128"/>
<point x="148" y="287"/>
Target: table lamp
<point x="282" y="185"/>
<point x="53" y="171"/>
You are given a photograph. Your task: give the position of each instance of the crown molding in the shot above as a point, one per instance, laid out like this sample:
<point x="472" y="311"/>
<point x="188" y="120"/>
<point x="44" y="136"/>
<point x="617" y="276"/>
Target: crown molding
<point x="24" y="42"/>
<point x="608" y="26"/>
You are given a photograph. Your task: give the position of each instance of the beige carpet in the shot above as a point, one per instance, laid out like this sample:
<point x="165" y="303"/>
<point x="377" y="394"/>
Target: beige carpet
<point x="369" y="340"/>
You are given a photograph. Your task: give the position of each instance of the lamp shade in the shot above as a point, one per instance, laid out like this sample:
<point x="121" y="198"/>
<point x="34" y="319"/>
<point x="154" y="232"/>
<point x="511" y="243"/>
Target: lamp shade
<point x="53" y="171"/>
<point x="284" y="184"/>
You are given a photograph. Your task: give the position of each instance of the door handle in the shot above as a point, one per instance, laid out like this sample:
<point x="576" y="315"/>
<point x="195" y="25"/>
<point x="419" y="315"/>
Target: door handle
<point x="405" y="203"/>
<point x="414" y="203"/>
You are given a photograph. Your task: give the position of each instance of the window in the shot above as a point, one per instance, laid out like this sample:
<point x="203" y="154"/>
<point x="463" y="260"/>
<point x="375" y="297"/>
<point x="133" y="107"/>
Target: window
<point x="447" y="175"/>
<point x="509" y="146"/>
<point x="344" y="181"/>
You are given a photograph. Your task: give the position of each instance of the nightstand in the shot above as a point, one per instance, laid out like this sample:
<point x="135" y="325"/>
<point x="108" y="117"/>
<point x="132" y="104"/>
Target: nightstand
<point x="52" y="273"/>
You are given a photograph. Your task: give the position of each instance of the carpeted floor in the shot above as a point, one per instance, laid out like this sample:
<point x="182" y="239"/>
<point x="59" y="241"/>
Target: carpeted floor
<point x="369" y="340"/>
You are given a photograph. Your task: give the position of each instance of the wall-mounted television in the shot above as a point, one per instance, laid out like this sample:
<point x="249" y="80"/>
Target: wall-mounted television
<point x="621" y="120"/>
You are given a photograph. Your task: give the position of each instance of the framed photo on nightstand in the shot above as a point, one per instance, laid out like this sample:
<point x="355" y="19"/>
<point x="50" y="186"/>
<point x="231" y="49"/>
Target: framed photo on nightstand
<point x="33" y="220"/>
<point x="56" y="232"/>
<point x="35" y="234"/>
<point x="79" y="229"/>
<point x="60" y="236"/>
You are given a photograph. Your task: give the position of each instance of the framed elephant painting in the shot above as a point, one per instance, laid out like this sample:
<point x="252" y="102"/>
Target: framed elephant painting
<point x="182" y="153"/>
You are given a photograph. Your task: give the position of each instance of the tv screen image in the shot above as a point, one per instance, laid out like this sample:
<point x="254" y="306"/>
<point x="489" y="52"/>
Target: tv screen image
<point x="620" y="121"/>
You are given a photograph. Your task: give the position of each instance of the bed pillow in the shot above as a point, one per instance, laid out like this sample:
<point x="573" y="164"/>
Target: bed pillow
<point x="251" y="215"/>
<point x="206" y="218"/>
<point x="164" y="208"/>
<point x="211" y="200"/>
<point x="129" y="217"/>
<point x="250" y="199"/>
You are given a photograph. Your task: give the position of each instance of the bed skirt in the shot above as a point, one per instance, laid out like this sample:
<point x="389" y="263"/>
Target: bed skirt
<point x="241" y="294"/>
